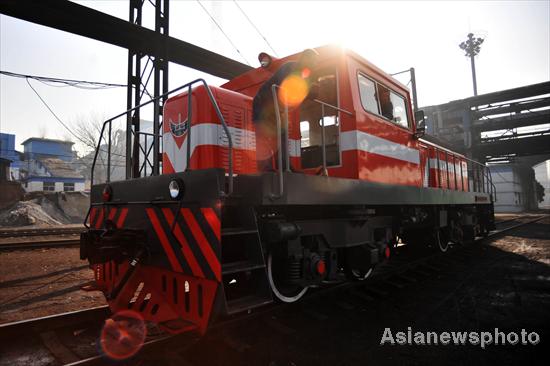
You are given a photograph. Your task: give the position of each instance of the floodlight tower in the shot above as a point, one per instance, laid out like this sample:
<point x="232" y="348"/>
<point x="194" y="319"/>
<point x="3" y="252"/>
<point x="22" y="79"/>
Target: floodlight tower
<point x="471" y="47"/>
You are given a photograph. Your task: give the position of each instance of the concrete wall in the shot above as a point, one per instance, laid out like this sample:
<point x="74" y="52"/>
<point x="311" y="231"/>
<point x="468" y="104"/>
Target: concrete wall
<point x="79" y="187"/>
<point x="514" y="186"/>
<point x="38" y="185"/>
<point x="542" y="173"/>
<point x="34" y="186"/>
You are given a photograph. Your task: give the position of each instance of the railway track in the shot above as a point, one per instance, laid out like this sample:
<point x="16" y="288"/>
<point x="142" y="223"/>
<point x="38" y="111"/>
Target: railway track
<point x="19" y="232"/>
<point x="48" y="243"/>
<point x="395" y="275"/>
<point x="37" y="238"/>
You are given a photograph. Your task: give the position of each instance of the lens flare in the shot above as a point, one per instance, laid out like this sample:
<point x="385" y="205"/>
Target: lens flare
<point x="123" y="335"/>
<point x="293" y="91"/>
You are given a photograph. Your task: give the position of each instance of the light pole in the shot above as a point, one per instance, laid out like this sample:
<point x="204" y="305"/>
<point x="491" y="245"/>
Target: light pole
<point x="471" y="47"/>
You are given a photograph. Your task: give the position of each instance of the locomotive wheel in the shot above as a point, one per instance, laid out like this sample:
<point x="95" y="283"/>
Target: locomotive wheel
<point x="284" y="292"/>
<point x="357" y="265"/>
<point x="484" y="231"/>
<point x="442" y="240"/>
<point x="359" y="274"/>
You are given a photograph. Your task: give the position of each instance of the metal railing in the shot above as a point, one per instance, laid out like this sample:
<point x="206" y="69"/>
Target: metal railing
<point x="479" y="174"/>
<point x="146" y="151"/>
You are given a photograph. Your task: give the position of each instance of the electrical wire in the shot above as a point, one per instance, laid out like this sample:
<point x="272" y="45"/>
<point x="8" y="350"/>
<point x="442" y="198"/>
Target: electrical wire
<point x="56" y="117"/>
<point x="81" y="84"/>
<point x="221" y="30"/>
<point x="64" y="125"/>
<point x="256" y="28"/>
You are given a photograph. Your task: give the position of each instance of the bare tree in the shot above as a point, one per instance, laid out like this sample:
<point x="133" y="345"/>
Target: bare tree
<point x="92" y="141"/>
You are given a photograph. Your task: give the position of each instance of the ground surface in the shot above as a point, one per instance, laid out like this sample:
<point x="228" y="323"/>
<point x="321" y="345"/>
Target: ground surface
<point x="42" y="282"/>
<point x="503" y="284"/>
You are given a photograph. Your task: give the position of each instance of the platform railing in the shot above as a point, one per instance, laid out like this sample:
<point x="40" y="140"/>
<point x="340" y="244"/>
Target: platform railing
<point x="478" y="174"/>
<point x="147" y="150"/>
<point x="323" y="139"/>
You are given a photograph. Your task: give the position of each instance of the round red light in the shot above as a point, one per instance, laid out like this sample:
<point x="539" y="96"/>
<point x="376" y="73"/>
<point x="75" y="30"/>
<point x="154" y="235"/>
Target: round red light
<point x="387" y="252"/>
<point x="106" y="194"/>
<point x="321" y="267"/>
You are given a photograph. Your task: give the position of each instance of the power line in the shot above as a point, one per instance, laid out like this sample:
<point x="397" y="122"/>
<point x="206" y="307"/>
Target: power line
<point x="56" y="117"/>
<point x="221" y="30"/>
<point x="81" y="84"/>
<point x="63" y="124"/>
<point x="256" y="28"/>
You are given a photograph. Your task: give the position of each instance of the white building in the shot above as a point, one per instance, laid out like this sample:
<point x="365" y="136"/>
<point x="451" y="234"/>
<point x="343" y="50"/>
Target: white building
<point x="542" y="173"/>
<point x="515" y="187"/>
<point x="51" y="175"/>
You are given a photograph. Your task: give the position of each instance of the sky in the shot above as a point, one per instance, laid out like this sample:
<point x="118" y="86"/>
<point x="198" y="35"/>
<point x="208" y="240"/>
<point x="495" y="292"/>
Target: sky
<point x="393" y="35"/>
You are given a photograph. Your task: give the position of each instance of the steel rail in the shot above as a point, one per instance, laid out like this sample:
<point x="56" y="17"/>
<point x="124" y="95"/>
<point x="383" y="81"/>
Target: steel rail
<point x="51" y="322"/>
<point x="27" y="245"/>
<point x="7" y="233"/>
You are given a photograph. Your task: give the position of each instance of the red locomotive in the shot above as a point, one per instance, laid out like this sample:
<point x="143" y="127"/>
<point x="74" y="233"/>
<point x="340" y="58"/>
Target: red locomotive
<point x="213" y="236"/>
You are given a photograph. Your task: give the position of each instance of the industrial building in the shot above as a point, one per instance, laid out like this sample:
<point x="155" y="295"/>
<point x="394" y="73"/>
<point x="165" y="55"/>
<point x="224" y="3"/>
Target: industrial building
<point x="542" y="174"/>
<point x="8" y="152"/>
<point x="508" y="130"/>
<point x="44" y="165"/>
<point x="47" y="166"/>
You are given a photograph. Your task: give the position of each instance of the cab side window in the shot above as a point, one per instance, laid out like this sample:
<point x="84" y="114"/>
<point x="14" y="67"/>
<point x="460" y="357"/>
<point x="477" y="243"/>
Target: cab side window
<point x="386" y="106"/>
<point x="367" y="89"/>
<point x="399" y="113"/>
<point x="382" y="101"/>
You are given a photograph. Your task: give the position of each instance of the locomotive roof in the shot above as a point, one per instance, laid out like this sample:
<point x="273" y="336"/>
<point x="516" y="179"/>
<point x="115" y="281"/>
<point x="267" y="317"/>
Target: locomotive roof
<point x="255" y="77"/>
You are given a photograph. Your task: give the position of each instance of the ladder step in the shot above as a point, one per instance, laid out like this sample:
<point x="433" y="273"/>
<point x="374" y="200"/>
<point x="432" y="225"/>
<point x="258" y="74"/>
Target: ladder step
<point x="246" y="303"/>
<point x="238" y="231"/>
<point x="240" y="266"/>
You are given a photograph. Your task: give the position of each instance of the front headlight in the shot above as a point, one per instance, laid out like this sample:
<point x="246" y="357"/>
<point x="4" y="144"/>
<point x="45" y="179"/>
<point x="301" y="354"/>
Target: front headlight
<point x="176" y="188"/>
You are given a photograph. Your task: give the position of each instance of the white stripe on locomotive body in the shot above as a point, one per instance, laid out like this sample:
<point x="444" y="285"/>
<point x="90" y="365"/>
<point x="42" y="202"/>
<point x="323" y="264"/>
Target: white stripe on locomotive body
<point x="443" y="167"/>
<point x="426" y="178"/>
<point x="359" y="140"/>
<point x="203" y="134"/>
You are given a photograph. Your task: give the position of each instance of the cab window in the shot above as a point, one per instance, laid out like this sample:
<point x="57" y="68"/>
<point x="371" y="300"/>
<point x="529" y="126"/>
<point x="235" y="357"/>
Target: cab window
<point x="368" y="94"/>
<point x="382" y="101"/>
<point x="399" y="110"/>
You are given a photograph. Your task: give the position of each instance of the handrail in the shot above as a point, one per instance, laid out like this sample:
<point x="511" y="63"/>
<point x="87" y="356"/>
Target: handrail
<point x="481" y="174"/>
<point x="323" y="141"/>
<point x="323" y="138"/>
<point x="279" y="142"/>
<point x="333" y="107"/>
<point x="188" y="85"/>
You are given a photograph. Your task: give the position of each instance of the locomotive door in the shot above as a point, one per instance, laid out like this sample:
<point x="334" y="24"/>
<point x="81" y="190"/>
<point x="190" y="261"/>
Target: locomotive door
<point x="313" y="115"/>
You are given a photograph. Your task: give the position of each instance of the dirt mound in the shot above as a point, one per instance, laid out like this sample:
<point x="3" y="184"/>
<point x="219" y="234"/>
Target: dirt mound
<point x="26" y="213"/>
<point x="47" y="210"/>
